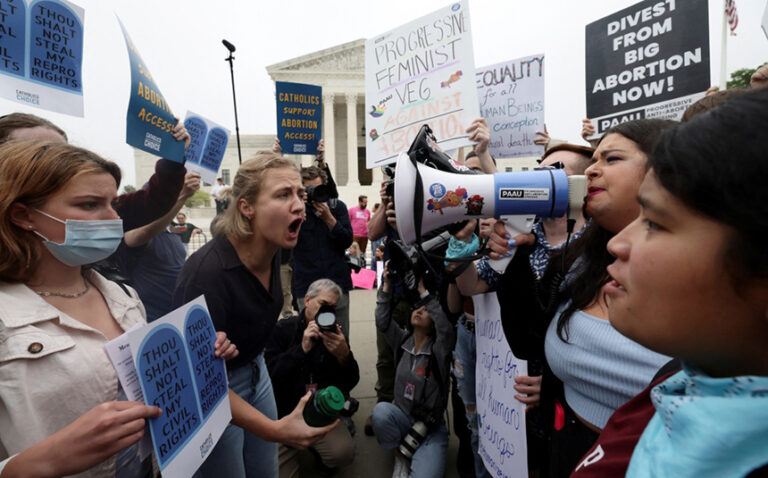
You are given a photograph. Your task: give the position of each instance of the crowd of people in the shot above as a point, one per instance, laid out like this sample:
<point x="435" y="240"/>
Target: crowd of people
<point x="644" y="320"/>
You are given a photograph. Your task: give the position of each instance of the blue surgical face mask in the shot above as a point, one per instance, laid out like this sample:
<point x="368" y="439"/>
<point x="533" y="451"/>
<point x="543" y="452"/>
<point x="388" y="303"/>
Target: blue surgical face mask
<point x="85" y="242"/>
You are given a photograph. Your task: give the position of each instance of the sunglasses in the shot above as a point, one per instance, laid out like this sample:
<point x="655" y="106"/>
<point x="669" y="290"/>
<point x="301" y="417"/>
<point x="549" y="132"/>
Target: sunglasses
<point x="555" y="165"/>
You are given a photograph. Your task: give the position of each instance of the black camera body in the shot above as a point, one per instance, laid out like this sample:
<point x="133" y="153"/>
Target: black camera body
<point x="354" y="263"/>
<point x="407" y="264"/>
<point x="350" y="407"/>
<point x="319" y="193"/>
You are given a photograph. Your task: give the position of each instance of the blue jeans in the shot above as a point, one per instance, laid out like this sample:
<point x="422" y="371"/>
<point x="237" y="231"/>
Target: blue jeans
<point x="390" y="424"/>
<point x="238" y="453"/>
<point x="465" y="357"/>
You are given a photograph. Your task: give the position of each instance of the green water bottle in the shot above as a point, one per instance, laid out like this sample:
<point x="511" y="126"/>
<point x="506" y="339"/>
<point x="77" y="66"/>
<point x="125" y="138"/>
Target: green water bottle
<point x="324" y="407"/>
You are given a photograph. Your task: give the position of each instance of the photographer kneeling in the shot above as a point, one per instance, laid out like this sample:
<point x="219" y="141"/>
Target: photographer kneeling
<point x="309" y="352"/>
<point x="413" y="425"/>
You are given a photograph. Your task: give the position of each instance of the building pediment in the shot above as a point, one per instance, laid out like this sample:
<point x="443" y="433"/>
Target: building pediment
<point x="347" y="58"/>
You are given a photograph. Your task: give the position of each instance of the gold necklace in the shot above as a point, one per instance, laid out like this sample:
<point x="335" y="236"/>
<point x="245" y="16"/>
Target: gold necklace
<point x="64" y="295"/>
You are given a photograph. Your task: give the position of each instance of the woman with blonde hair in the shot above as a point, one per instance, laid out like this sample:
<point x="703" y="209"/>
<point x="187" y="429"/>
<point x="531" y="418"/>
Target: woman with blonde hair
<point x="238" y="271"/>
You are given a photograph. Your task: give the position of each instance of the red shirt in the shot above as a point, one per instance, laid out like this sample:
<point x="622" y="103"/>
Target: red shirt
<point x="610" y="455"/>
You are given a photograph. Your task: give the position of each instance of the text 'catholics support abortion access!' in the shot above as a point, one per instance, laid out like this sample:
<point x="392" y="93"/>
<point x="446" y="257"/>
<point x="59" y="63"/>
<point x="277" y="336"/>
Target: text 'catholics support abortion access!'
<point x="650" y="60"/>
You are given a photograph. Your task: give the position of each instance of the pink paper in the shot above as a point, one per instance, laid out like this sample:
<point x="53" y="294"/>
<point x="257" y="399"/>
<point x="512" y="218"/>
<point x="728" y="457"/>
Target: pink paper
<point x="364" y="279"/>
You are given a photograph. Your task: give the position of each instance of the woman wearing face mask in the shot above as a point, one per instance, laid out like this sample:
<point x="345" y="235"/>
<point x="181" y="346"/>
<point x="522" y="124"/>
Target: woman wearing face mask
<point x="239" y="274"/>
<point x="591" y="369"/>
<point x="690" y="280"/>
<point x="59" y="408"/>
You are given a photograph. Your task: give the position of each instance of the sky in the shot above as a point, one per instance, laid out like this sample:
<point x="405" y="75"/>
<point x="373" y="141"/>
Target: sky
<point x="180" y="42"/>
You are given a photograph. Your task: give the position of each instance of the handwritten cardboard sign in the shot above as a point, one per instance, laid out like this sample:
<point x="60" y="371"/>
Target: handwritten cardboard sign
<point x="174" y="365"/>
<point x="299" y="116"/>
<point x="206" y="148"/>
<point x="422" y="72"/>
<point x="501" y="418"/>
<point x="150" y="120"/>
<point x="511" y="97"/>
<point x="41" y="54"/>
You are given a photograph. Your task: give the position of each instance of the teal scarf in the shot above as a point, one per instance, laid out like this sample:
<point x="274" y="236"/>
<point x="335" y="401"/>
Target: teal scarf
<point x="704" y="427"/>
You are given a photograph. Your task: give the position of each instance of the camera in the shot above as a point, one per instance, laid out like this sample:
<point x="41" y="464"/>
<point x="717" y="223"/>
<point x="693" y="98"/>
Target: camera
<point x="407" y="264"/>
<point x="389" y="172"/>
<point x="319" y="193"/>
<point x="326" y="318"/>
<point x="413" y="439"/>
<point x="354" y="263"/>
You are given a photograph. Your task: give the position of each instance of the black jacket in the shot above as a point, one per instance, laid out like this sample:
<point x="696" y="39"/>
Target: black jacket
<point x="291" y="370"/>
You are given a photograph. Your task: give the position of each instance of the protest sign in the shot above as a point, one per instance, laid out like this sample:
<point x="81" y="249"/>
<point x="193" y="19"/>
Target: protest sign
<point x="650" y="60"/>
<point x="421" y="72"/>
<point x="379" y="272"/>
<point x="174" y="361"/>
<point x="299" y="116"/>
<point x="765" y="20"/>
<point x="119" y="353"/>
<point x="363" y="279"/>
<point x="511" y="98"/>
<point x="150" y="120"/>
<point x="41" y="54"/>
<point x="207" y="146"/>
<point x="501" y="417"/>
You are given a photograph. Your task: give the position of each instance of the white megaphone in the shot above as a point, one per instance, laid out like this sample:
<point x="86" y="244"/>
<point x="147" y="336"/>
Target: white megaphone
<point x="516" y="198"/>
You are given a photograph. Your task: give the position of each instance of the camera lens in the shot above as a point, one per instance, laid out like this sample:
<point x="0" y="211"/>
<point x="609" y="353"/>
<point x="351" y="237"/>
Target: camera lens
<point x="319" y="193"/>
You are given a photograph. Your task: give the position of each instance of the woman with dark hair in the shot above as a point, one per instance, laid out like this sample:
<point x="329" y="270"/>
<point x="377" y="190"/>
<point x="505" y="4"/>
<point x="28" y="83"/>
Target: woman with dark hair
<point x="590" y="369"/>
<point x="422" y="357"/>
<point x="690" y="280"/>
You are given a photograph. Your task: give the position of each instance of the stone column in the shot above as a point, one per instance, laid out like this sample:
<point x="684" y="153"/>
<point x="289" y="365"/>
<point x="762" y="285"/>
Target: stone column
<point x="328" y="133"/>
<point x="352" y="176"/>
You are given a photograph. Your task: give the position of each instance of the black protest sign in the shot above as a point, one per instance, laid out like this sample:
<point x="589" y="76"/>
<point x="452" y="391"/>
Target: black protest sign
<point x="649" y="60"/>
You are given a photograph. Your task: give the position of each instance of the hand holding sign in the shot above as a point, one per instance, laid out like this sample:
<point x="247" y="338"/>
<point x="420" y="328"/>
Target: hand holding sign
<point x="96" y="435"/>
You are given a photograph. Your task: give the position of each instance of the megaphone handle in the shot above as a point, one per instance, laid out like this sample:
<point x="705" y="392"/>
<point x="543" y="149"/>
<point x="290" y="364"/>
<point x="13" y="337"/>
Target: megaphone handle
<point x="514" y="225"/>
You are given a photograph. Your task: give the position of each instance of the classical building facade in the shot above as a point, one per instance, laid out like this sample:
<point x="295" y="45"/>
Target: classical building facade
<point x="340" y="70"/>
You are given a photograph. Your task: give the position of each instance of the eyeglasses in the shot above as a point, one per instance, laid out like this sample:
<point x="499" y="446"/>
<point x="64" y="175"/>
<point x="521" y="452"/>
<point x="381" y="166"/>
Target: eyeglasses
<point x="555" y="165"/>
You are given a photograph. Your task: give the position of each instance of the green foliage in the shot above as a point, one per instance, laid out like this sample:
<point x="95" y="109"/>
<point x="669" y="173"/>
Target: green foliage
<point x="128" y="189"/>
<point x="740" y="78"/>
<point x="199" y="199"/>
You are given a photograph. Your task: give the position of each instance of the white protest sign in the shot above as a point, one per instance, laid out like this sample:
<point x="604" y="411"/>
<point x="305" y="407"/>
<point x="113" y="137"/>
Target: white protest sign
<point x="765" y="20"/>
<point x="501" y="418"/>
<point x="511" y="98"/>
<point x="119" y="353"/>
<point x="420" y="73"/>
<point x="174" y="362"/>
<point x="41" y="54"/>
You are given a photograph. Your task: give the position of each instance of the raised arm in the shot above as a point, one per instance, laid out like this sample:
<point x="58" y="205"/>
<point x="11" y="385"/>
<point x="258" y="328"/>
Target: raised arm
<point x="142" y="235"/>
<point x="143" y="206"/>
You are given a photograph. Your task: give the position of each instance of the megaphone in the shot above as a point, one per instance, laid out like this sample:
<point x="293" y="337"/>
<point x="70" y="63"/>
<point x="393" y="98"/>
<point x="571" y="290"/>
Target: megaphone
<point x="440" y="198"/>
